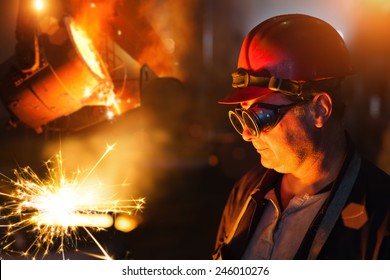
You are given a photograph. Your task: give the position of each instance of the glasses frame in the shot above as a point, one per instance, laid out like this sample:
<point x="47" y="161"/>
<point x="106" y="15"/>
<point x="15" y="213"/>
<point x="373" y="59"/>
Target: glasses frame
<point x="260" y="117"/>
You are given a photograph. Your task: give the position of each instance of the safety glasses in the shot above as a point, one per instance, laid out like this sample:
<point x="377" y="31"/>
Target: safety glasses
<point x="259" y="117"/>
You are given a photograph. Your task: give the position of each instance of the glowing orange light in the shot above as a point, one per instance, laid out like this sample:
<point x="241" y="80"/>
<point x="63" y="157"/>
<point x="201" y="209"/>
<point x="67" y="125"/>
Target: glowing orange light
<point x="91" y="57"/>
<point x="87" y="50"/>
<point x="87" y="92"/>
<point x="110" y="114"/>
<point x="125" y="223"/>
<point x="38" y="4"/>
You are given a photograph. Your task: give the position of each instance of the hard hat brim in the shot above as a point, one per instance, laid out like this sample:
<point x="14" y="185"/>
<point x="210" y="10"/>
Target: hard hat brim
<point x="244" y="94"/>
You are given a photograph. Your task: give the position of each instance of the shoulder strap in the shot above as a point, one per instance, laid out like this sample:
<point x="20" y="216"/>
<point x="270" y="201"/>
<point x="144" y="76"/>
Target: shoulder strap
<point x="335" y="206"/>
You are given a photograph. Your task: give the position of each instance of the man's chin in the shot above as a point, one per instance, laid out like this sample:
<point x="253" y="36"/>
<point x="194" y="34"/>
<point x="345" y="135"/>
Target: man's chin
<point x="269" y="164"/>
<point x="265" y="163"/>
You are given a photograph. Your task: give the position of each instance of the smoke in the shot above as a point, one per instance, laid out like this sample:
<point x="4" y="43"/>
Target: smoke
<point x="157" y="33"/>
<point x="94" y="17"/>
<point x="174" y="22"/>
<point x="151" y="143"/>
<point x="124" y="171"/>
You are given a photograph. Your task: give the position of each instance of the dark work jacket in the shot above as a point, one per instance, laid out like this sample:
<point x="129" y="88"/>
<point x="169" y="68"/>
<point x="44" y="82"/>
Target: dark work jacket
<point x="361" y="228"/>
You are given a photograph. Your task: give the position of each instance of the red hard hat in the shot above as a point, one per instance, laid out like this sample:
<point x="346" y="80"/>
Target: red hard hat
<point x="284" y="52"/>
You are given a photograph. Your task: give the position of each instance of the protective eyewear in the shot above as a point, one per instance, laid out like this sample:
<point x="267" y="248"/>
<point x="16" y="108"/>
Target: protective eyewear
<point x="259" y="117"/>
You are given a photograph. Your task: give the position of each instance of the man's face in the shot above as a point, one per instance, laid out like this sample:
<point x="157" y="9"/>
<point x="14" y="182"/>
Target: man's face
<point x="289" y="144"/>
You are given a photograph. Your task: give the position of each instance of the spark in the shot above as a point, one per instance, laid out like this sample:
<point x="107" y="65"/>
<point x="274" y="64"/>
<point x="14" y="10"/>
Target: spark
<point x="56" y="208"/>
<point x="110" y="114"/>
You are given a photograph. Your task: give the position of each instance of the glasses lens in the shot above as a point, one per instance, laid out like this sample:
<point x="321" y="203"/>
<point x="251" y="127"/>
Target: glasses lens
<point x="250" y="124"/>
<point x="236" y="122"/>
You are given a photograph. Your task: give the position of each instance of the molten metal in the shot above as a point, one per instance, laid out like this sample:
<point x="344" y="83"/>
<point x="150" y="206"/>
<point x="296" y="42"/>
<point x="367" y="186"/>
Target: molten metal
<point x="86" y="49"/>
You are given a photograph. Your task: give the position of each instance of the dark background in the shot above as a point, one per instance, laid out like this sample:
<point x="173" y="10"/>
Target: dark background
<point x="178" y="150"/>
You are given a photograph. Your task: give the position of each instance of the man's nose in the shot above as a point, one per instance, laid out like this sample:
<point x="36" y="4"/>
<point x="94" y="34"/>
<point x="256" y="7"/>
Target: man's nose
<point x="246" y="135"/>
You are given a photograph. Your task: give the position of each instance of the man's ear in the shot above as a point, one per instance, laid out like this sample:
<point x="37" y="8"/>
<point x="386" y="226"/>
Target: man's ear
<point x="322" y="109"/>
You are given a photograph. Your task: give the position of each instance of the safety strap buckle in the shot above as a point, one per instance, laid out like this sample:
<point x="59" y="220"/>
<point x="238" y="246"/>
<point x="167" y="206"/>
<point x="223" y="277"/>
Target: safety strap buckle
<point x="289" y="87"/>
<point x="242" y="79"/>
